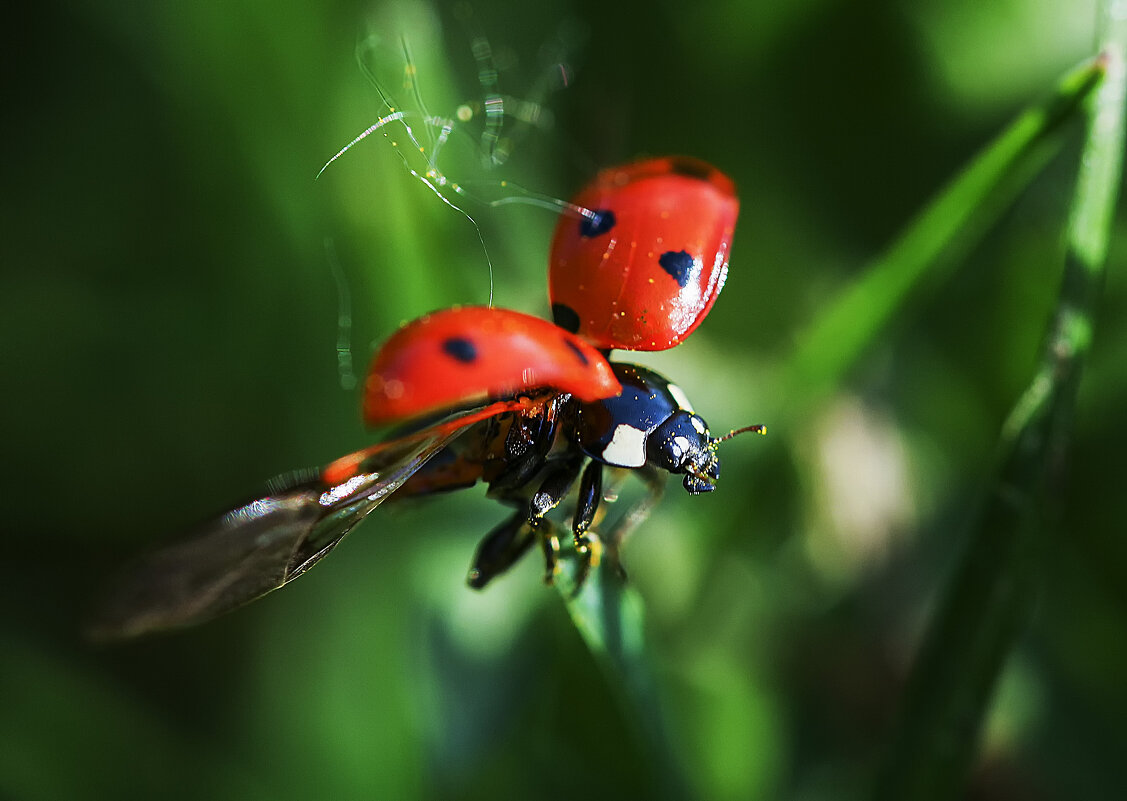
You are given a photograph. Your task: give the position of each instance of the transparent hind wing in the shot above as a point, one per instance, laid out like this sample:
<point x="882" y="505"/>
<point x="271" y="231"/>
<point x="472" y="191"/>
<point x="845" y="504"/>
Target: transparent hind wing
<point x="258" y="546"/>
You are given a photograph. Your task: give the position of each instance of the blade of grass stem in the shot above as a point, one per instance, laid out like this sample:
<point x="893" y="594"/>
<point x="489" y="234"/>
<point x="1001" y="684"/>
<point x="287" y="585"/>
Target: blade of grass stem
<point x="991" y="594"/>
<point x="950" y="224"/>
<point x="609" y="615"/>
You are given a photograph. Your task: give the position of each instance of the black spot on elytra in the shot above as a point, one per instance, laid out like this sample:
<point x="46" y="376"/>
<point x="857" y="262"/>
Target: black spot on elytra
<point x="677" y="263"/>
<point x="602" y="222"/>
<point x="579" y="354"/>
<point x="691" y="168"/>
<point x="461" y="349"/>
<point x="565" y="317"/>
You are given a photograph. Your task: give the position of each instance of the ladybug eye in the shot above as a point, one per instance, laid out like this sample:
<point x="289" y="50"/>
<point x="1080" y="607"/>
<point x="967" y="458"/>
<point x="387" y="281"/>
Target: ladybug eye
<point x="678" y="264"/>
<point x="460" y="348"/>
<point x="602" y="221"/>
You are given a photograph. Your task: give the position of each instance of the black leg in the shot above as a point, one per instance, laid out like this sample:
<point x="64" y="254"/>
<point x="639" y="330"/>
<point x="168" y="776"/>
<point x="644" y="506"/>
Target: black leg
<point x="590" y="495"/>
<point x="588" y="545"/>
<point x="550" y="547"/>
<point x="500" y="549"/>
<point x="527" y="444"/>
<point x="553" y="489"/>
<point x="516" y="474"/>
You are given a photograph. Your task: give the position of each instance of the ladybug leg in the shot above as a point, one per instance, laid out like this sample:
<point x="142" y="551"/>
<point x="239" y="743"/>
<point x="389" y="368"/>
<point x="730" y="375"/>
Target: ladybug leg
<point x="500" y="549"/>
<point x="527" y="444"/>
<point x="588" y="545"/>
<point x="654" y="479"/>
<point x="550" y="546"/>
<point x="516" y="475"/>
<point x="553" y="489"/>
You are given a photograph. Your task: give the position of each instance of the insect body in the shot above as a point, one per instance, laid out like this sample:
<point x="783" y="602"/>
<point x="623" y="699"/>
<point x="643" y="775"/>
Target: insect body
<point x="532" y="459"/>
<point x="480" y="394"/>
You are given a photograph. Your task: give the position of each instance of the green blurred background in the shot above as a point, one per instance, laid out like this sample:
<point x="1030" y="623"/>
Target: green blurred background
<point x="169" y="315"/>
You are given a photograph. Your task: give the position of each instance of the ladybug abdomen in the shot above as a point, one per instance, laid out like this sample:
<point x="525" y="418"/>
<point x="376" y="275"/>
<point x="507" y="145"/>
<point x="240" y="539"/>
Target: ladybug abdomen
<point x="643" y="270"/>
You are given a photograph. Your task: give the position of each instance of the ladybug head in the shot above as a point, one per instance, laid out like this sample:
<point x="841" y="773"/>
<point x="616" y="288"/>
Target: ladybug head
<point x="682" y="444"/>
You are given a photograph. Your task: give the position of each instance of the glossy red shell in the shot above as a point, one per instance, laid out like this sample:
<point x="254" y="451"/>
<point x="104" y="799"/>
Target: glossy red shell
<point x="460" y="356"/>
<point x="647" y="280"/>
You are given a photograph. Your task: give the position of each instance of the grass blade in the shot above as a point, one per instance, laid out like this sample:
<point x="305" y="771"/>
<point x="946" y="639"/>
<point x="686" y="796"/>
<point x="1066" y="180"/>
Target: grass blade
<point x="991" y="594"/>
<point x="953" y="222"/>
<point x="609" y="615"/>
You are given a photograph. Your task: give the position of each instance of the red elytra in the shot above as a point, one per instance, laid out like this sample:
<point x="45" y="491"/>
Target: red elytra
<point x="461" y="356"/>
<point x="644" y="271"/>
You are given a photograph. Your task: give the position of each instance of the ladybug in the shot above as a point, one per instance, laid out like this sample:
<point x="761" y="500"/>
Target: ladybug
<point x="643" y="263"/>
<point x="528" y="407"/>
<point x="520" y="403"/>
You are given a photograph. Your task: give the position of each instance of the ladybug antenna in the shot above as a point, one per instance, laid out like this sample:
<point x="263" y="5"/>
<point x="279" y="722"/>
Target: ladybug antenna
<point x="758" y="428"/>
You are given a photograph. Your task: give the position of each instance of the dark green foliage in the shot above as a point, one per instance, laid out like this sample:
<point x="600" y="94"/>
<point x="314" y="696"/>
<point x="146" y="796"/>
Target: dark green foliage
<point x="169" y="316"/>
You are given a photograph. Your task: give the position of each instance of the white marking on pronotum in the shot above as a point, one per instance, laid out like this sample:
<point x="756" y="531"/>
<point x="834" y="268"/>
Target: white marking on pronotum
<point x="681" y="398"/>
<point x="627" y="448"/>
<point x="699" y="425"/>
